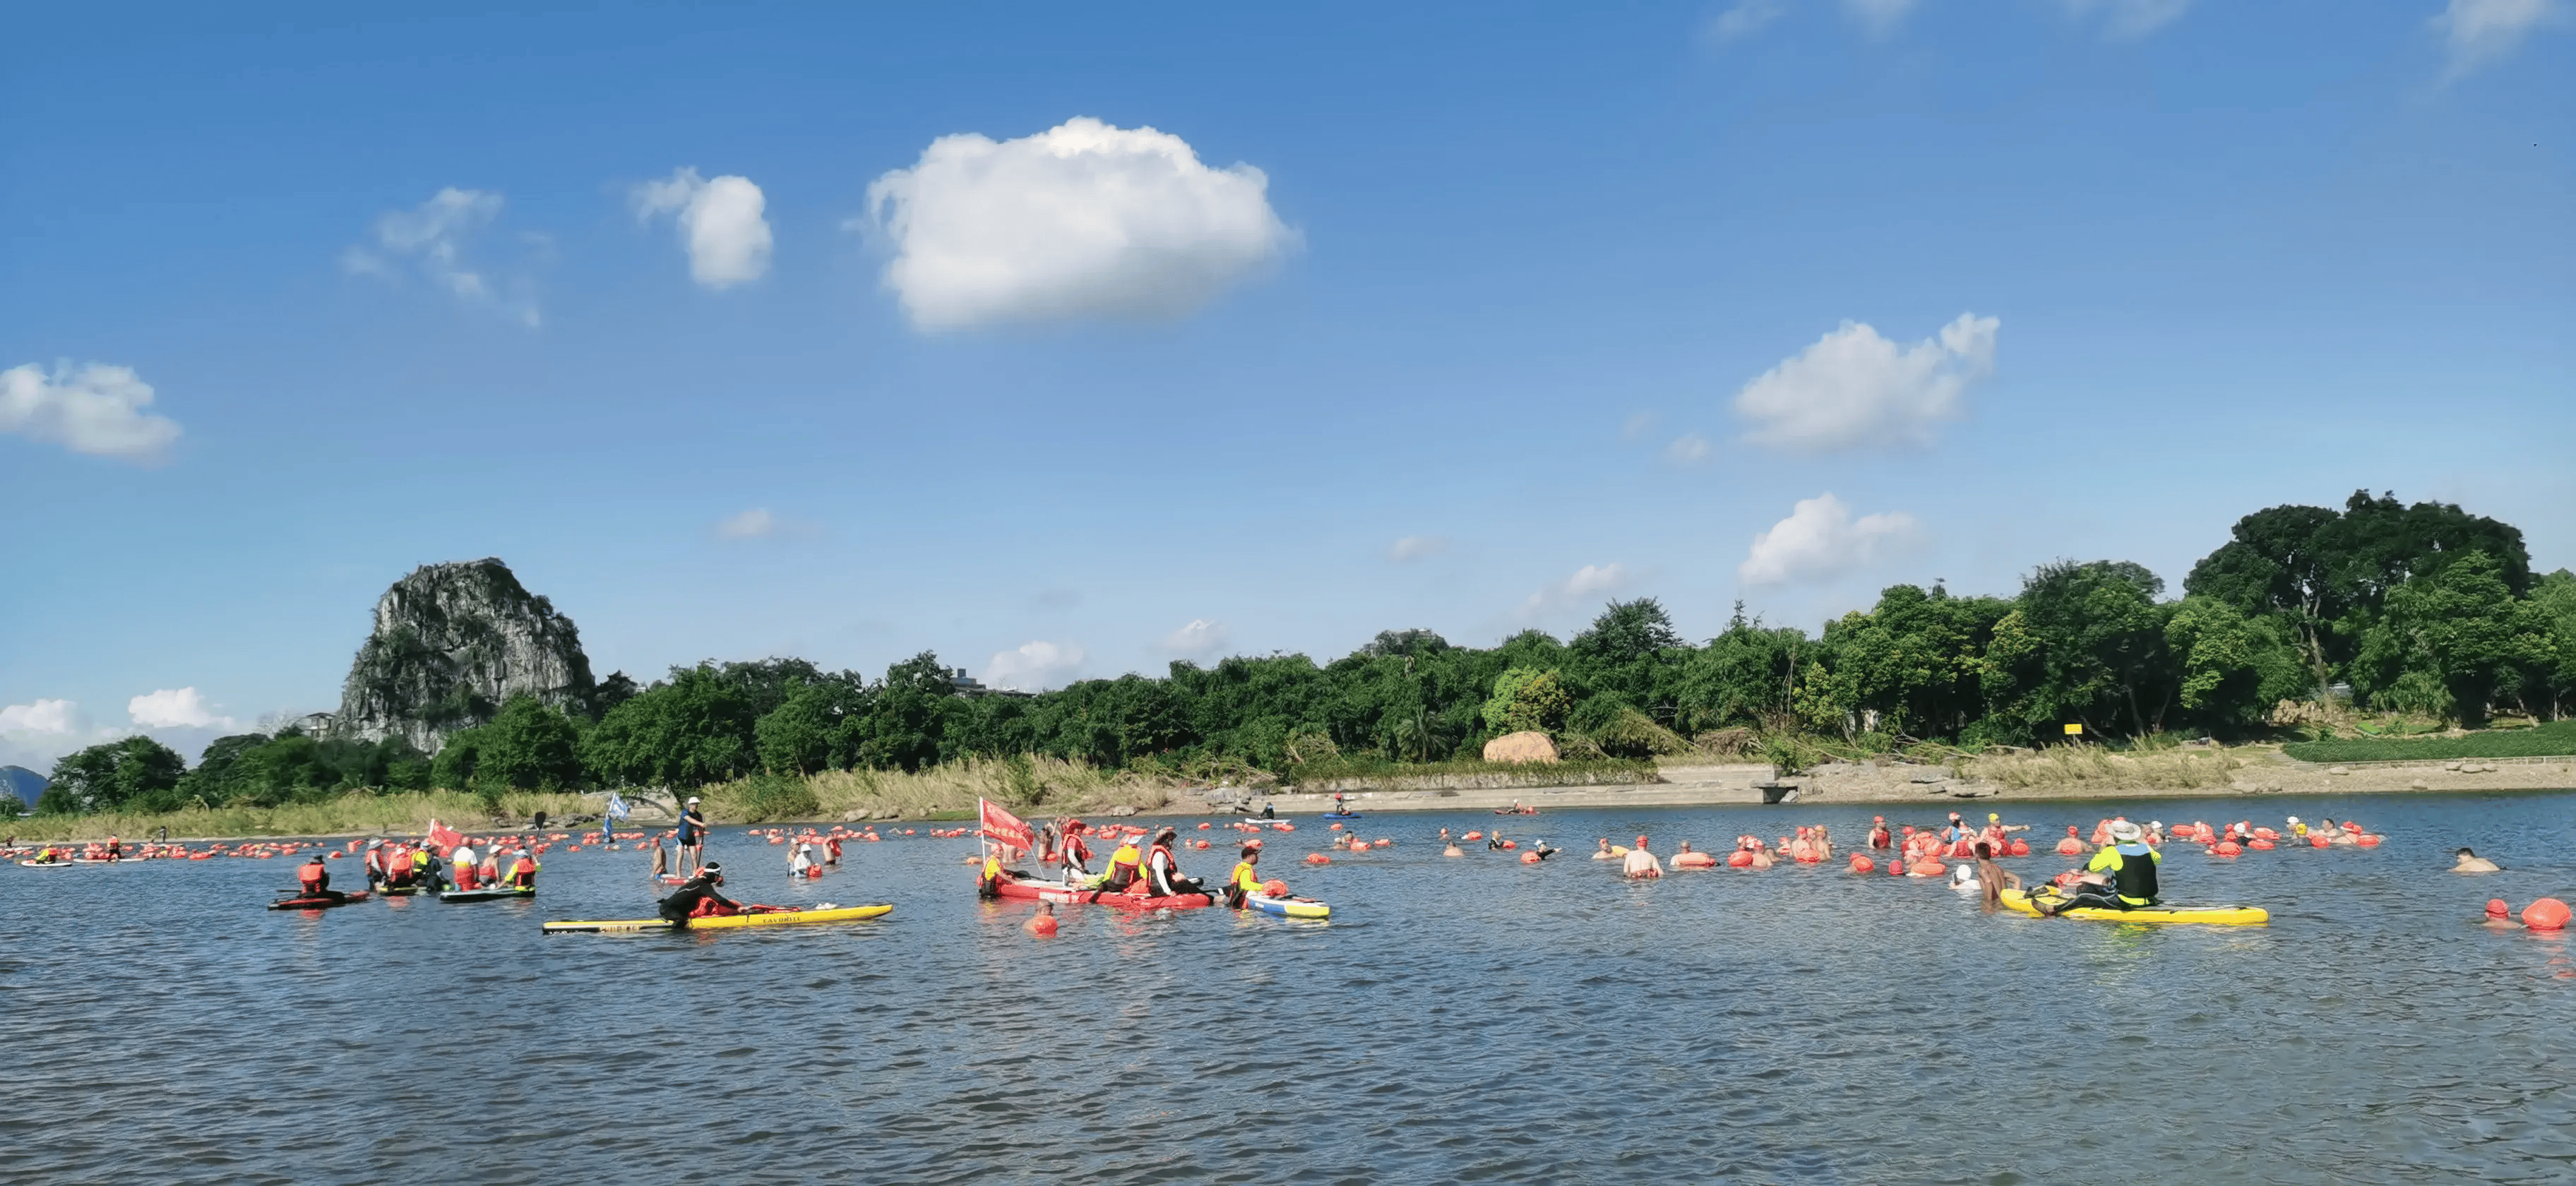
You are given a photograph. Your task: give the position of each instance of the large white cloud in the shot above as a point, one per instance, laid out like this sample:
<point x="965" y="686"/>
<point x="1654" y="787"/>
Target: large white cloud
<point x="1082" y="220"/>
<point x="433" y="238"/>
<point x="1818" y="541"/>
<point x="1035" y="666"/>
<point x="97" y="409"/>
<point x="1201" y="640"/>
<point x="1586" y="583"/>
<point x="720" y="220"/>
<point x="1855" y="389"/>
<point x="174" y="708"/>
<point x="44" y="717"/>
<point x="2481" y="31"/>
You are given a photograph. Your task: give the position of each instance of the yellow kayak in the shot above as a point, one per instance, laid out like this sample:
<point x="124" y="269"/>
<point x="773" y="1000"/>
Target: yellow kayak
<point x="2223" y="916"/>
<point x="774" y="918"/>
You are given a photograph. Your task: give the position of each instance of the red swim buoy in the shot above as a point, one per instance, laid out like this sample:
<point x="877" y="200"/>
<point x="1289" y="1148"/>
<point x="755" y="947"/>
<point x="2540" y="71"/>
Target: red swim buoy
<point x="1473" y="836"/>
<point x="1042" y="926"/>
<point x="1895" y="867"/>
<point x="2225" y="848"/>
<point x="1739" y="859"/>
<point x="1334" y="827"/>
<point x="1529" y="858"/>
<point x="1511" y="844"/>
<point x="2259" y="844"/>
<point x="1359" y="846"/>
<point x="2366" y="840"/>
<point x="1862" y="864"/>
<point x="1928" y="869"/>
<point x="1205" y="827"/>
<point x="1317" y="858"/>
<point x="1275" y="888"/>
<point x="2020" y="847"/>
<point x="2317" y="842"/>
<point x="2547" y="914"/>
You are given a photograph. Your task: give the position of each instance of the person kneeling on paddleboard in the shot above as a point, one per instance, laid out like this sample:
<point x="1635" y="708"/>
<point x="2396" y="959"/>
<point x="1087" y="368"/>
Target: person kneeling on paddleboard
<point x="1246" y="879"/>
<point x="698" y="898"/>
<point x="1075" y="855"/>
<point x="1126" y="863"/>
<point x="2120" y="877"/>
<point x="523" y="872"/>
<point x="1163" y="872"/>
<point x="314" y="879"/>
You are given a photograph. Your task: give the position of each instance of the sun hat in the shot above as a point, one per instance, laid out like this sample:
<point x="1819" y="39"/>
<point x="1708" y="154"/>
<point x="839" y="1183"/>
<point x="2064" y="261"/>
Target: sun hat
<point x="2124" y="830"/>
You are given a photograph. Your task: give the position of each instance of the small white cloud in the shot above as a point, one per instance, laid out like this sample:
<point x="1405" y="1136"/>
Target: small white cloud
<point x="1415" y="547"/>
<point x="2481" y="31"/>
<point x="1690" y="448"/>
<point x="1819" y="540"/>
<point x="1638" y="425"/>
<point x="1855" y="389"/>
<point x="1588" y="582"/>
<point x="1082" y="220"/>
<point x="1745" y="19"/>
<point x="2125" y="19"/>
<point x="756" y="523"/>
<point x="1200" y="640"/>
<point x="44" y="717"/>
<point x="720" y="220"/>
<point x="433" y="237"/>
<point x="1878" y="17"/>
<point x="174" y="708"/>
<point x="97" y="410"/>
<point x="1035" y="667"/>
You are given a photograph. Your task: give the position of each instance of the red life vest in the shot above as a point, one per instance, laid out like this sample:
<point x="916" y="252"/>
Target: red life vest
<point x="401" y="863"/>
<point x="311" y="875"/>
<point x="523" y="870"/>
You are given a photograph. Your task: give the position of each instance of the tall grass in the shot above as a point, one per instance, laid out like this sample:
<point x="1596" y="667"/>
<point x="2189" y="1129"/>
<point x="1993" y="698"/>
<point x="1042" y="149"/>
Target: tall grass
<point x="1360" y="773"/>
<point x="1022" y="782"/>
<point x="2092" y="766"/>
<point x="2540" y="741"/>
<point x="355" y="812"/>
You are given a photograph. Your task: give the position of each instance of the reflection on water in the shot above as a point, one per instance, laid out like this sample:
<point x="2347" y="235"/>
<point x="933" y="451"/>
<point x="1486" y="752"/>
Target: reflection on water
<point x="1461" y="1019"/>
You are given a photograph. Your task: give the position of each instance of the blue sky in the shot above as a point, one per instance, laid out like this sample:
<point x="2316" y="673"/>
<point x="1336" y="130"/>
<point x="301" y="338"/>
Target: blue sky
<point x="1066" y="341"/>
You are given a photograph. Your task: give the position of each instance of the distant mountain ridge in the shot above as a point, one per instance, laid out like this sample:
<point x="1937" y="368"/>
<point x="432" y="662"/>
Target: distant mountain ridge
<point x="26" y="784"/>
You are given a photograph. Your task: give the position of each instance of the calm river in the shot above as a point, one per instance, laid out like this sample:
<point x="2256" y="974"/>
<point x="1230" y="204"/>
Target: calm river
<point x="1471" y="1019"/>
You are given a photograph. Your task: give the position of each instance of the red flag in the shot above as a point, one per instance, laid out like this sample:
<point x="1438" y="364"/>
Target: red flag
<point x="1005" y="827"/>
<point x="444" y="838"/>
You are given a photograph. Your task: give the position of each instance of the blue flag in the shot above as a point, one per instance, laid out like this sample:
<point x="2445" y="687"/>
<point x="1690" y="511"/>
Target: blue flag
<point x="616" y="806"/>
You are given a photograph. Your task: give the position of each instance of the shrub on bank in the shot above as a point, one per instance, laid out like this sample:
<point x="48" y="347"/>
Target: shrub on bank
<point x="2552" y="740"/>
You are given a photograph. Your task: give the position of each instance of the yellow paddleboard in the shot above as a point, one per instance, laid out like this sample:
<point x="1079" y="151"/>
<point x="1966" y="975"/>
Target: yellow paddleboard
<point x="780" y="918"/>
<point x="2223" y="916"/>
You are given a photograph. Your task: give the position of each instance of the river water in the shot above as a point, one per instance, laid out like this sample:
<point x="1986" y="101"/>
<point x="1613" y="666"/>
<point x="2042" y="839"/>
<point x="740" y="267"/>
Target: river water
<point x="1469" y="1019"/>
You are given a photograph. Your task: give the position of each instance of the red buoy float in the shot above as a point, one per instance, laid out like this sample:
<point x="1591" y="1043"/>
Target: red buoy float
<point x="2547" y="914"/>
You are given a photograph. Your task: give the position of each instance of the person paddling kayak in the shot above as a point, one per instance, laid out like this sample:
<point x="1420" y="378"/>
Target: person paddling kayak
<point x="314" y="879"/>
<point x="697" y="898"/>
<point x="2120" y="877"/>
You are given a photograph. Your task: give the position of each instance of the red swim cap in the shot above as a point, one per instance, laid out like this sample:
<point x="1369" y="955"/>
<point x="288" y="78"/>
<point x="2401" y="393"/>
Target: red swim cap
<point x="2496" y="908"/>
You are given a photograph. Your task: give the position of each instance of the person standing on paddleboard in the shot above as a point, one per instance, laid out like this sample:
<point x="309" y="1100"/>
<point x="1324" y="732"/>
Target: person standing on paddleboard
<point x="693" y="836"/>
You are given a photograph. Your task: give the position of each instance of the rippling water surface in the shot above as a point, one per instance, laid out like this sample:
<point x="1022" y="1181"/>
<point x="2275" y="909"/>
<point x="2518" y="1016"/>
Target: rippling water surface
<point x="1471" y="1019"/>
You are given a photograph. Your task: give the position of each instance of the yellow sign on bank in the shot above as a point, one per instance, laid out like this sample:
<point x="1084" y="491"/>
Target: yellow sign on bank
<point x="2074" y="730"/>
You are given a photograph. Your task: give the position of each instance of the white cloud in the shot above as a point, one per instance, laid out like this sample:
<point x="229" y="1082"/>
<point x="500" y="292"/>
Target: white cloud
<point x="97" y="409"/>
<point x="174" y="708"/>
<point x="720" y="220"/>
<point x="1855" y="389"/>
<point x="756" y="523"/>
<point x="1588" y="582"/>
<point x="2124" y="19"/>
<point x="1082" y="220"/>
<point x="46" y="717"/>
<point x="1744" y="20"/>
<point x="1035" y="667"/>
<point x="433" y="237"/>
<point x="1690" y="448"/>
<point x="1878" y="17"/>
<point x="2481" y="31"/>
<point x="1415" y="547"/>
<point x="1200" y="640"/>
<point x="1819" y="540"/>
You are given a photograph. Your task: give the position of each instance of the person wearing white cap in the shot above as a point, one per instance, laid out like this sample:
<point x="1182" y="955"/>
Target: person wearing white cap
<point x="2120" y="877"/>
<point x="693" y="836"/>
<point x="2298" y="831"/>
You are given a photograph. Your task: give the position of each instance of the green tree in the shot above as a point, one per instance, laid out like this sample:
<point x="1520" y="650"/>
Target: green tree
<point x="132" y="773"/>
<point x="529" y="746"/>
<point x="2085" y="643"/>
<point x="692" y="729"/>
<point x="1527" y="699"/>
<point x="2232" y="668"/>
<point x="2461" y="628"/>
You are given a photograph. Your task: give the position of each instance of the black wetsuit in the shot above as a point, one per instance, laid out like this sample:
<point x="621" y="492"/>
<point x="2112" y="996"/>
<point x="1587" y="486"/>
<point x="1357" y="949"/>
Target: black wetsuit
<point x="683" y="901"/>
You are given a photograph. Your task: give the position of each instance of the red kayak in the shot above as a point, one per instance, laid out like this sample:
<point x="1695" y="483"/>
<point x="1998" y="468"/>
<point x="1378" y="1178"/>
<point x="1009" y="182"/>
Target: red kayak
<point x="1065" y="895"/>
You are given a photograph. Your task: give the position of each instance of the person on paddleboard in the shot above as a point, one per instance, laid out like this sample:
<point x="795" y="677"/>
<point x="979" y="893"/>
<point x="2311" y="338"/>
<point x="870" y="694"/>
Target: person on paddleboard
<point x="314" y="880"/>
<point x="523" y="872"/>
<point x="1126" y="864"/>
<point x="375" y="864"/>
<point x="693" y="836"/>
<point x="1246" y="878"/>
<point x="988" y="880"/>
<point x="698" y="898"/>
<point x="1163" y="871"/>
<point x="2120" y="877"/>
<point x="468" y="866"/>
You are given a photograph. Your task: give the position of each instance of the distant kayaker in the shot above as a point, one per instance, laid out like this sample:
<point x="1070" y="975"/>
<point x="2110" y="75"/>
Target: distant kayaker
<point x="1163" y="872"/>
<point x="1246" y="878"/>
<point x="1126" y="864"/>
<point x="1075" y="856"/>
<point x="2120" y="877"/>
<point x="693" y="836"/>
<point x="1269" y="811"/>
<point x="1641" y="864"/>
<point x="2470" y="862"/>
<point x="1992" y="878"/>
<point x="697" y="898"/>
<point x="314" y="879"/>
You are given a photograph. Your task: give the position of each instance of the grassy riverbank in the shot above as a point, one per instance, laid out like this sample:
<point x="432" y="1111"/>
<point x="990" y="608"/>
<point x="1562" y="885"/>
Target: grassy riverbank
<point x="1038" y="783"/>
<point x="2539" y="741"/>
<point x="360" y="812"/>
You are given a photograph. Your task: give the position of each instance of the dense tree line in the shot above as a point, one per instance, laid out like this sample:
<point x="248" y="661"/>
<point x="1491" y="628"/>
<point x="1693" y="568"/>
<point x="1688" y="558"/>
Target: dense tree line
<point x="2423" y="608"/>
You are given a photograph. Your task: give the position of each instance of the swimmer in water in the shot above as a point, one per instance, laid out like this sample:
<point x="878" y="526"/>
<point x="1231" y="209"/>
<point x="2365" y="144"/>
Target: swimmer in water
<point x="1605" y="854"/>
<point x="2470" y="862"/>
<point x="1642" y="865"/>
<point x="1878" y="833"/>
<point x="1992" y="878"/>
<point x="2499" y="916"/>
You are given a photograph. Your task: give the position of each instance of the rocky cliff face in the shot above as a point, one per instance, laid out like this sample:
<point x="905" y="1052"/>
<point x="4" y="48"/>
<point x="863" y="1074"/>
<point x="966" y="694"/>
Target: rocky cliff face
<point x="452" y="642"/>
